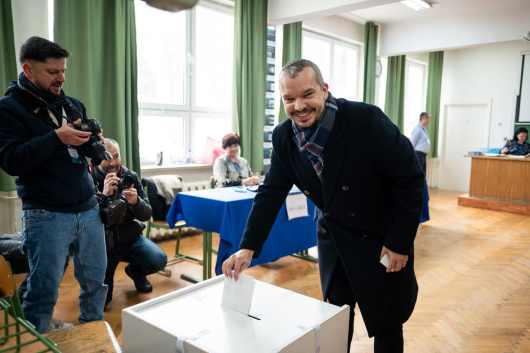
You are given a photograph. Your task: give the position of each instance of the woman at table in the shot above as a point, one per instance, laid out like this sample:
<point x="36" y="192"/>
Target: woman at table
<point x="230" y="169"/>
<point x="518" y="145"/>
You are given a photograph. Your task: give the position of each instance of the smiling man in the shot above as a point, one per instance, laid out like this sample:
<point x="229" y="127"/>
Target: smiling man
<point x="38" y="145"/>
<point x="361" y="173"/>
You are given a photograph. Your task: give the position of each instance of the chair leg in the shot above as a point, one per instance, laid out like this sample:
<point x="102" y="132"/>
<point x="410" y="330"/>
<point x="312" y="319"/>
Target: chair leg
<point x="148" y="229"/>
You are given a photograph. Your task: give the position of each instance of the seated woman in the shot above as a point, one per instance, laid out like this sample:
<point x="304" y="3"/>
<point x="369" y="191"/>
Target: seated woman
<point x="518" y="145"/>
<point x="230" y="169"/>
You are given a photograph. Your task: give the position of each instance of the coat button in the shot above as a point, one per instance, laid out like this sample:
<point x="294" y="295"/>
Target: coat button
<point x="345" y="188"/>
<point x="324" y="230"/>
<point x="306" y="192"/>
<point x="326" y="214"/>
<point x="351" y="214"/>
<point x="363" y="237"/>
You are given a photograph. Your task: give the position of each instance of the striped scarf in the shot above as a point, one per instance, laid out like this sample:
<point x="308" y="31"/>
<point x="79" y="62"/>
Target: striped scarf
<point x="311" y="142"/>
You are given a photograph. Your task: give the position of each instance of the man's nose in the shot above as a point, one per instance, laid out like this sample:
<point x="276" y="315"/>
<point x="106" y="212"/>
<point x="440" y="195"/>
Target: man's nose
<point x="299" y="104"/>
<point x="61" y="77"/>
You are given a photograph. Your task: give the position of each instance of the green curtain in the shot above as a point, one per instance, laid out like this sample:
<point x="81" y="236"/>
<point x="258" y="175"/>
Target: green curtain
<point x="250" y="72"/>
<point x="292" y="49"/>
<point x="370" y="58"/>
<point x="102" y="71"/>
<point x="8" y="69"/>
<point x="434" y="91"/>
<point x="395" y="90"/>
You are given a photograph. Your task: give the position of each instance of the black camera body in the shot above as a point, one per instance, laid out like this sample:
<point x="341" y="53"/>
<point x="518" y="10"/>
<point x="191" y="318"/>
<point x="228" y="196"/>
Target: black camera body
<point x="126" y="182"/>
<point x="94" y="147"/>
<point x="111" y="211"/>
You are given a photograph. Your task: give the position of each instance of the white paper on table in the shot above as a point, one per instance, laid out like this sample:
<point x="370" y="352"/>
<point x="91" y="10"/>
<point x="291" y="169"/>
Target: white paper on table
<point x="237" y="295"/>
<point x="296" y="205"/>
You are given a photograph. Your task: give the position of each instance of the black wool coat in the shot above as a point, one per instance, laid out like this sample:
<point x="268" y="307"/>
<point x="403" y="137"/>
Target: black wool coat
<point x="371" y="195"/>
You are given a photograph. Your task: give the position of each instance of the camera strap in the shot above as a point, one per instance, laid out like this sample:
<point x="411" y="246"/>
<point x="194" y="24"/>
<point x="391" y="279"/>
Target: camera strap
<point x="36" y="105"/>
<point x="33" y="106"/>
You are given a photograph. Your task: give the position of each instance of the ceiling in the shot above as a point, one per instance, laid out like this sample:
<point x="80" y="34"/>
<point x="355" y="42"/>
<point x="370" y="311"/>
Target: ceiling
<point x="397" y="12"/>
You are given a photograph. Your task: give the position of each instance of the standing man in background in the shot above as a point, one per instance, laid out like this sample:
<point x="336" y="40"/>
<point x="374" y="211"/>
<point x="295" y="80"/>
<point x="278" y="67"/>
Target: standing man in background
<point x="357" y="168"/>
<point x="420" y="140"/>
<point x="40" y="147"/>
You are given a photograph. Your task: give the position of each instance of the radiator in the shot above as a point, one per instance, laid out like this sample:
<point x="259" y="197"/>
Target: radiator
<point x="195" y="185"/>
<point x="433" y="165"/>
<point x="10" y="214"/>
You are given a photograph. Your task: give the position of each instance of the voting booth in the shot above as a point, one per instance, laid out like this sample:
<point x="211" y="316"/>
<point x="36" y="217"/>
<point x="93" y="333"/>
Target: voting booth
<point x="192" y="320"/>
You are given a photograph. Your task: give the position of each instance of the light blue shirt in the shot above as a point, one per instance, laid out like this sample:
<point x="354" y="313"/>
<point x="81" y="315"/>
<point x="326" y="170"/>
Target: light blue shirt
<point x="420" y="139"/>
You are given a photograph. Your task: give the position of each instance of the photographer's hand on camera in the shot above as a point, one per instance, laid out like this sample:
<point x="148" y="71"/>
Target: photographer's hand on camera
<point x="70" y="136"/>
<point x="111" y="184"/>
<point x="131" y="195"/>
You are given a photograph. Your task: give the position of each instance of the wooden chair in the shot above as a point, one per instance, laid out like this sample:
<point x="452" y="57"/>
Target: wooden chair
<point x="17" y="334"/>
<point x="96" y="336"/>
<point x="8" y="290"/>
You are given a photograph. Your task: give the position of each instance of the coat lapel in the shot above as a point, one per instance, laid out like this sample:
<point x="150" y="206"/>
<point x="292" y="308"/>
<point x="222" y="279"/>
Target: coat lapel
<point x="307" y="172"/>
<point x="333" y="159"/>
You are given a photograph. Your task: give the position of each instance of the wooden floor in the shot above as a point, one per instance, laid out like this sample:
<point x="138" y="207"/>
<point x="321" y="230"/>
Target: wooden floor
<point x="473" y="269"/>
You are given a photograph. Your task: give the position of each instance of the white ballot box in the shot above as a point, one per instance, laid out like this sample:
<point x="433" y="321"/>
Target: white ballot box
<point x="192" y="320"/>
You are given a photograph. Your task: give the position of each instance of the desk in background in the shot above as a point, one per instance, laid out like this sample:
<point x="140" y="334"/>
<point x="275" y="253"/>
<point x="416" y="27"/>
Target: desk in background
<point x="225" y="211"/>
<point x="499" y="183"/>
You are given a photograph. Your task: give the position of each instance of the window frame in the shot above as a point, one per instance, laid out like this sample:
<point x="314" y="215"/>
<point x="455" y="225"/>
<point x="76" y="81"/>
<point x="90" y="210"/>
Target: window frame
<point x="189" y="108"/>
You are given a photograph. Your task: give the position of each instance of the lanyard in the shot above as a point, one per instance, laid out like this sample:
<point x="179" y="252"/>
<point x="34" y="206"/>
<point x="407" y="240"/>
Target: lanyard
<point x="238" y="168"/>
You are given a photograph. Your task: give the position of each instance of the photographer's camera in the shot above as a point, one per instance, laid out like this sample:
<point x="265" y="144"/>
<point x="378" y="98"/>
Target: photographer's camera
<point x="94" y="147"/>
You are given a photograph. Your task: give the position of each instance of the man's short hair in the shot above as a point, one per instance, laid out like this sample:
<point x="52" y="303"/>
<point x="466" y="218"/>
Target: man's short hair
<point x="108" y="140"/>
<point x="230" y="139"/>
<point x="424" y="115"/>
<point x="40" y="49"/>
<point x="294" y="67"/>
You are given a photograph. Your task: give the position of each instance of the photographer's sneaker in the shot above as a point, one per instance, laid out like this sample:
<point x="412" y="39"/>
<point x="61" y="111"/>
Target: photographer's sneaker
<point x="141" y="283"/>
<point x="56" y="325"/>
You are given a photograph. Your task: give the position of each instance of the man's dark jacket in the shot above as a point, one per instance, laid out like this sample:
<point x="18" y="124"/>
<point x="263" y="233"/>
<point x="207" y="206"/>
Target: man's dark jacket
<point x="46" y="177"/>
<point x="131" y="227"/>
<point x="371" y="195"/>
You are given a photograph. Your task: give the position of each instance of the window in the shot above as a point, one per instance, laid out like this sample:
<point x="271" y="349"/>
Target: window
<point x="185" y="65"/>
<point x="338" y="61"/>
<point x="415" y="92"/>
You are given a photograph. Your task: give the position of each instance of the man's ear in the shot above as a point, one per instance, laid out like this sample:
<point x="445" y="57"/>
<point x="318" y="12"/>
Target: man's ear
<point x="28" y="69"/>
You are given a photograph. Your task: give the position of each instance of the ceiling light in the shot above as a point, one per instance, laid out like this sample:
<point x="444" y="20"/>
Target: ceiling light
<point x="417" y="4"/>
<point x="527" y="37"/>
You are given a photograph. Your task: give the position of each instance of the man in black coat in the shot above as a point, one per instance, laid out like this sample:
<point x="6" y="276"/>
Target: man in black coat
<point x="125" y="241"/>
<point x="362" y="175"/>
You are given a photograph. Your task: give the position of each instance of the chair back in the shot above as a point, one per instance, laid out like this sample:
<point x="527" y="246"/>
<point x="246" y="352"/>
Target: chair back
<point x="8" y="289"/>
<point x="7" y="286"/>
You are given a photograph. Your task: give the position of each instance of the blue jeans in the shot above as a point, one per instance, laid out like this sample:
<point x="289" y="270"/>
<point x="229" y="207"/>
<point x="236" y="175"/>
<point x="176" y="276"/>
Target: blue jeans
<point x="144" y="257"/>
<point x="47" y="237"/>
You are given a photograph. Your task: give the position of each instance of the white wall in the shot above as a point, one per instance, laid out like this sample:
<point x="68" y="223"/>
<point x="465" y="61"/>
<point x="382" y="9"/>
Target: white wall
<point x="482" y="73"/>
<point x="30" y="18"/>
<point x="338" y="27"/>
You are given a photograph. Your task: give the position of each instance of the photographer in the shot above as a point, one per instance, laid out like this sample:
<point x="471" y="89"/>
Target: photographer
<point x="40" y="147"/>
<point x="125" y="241"/>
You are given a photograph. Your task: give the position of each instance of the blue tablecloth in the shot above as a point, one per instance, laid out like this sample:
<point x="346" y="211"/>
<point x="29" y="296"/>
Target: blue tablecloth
<point x="225" y="211"/>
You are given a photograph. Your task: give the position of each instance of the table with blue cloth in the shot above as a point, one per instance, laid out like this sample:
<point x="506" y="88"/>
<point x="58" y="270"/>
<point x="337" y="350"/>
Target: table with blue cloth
<point x="225" y="211"/>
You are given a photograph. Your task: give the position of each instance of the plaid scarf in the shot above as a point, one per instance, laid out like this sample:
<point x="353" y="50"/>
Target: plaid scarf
<point x="311" y="142"/>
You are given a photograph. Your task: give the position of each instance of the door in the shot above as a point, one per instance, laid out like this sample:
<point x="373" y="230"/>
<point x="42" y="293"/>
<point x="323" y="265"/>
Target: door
<point x="465" y="128"/>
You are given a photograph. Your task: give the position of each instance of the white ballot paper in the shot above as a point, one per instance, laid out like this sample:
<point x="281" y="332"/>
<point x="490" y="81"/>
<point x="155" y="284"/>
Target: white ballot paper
<point x="296" y="205"/>
<point x="237" y="295"/>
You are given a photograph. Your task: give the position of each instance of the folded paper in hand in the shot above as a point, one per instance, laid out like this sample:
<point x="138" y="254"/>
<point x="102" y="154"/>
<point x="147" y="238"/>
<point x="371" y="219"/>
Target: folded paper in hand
<point x="237" y="295"/>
